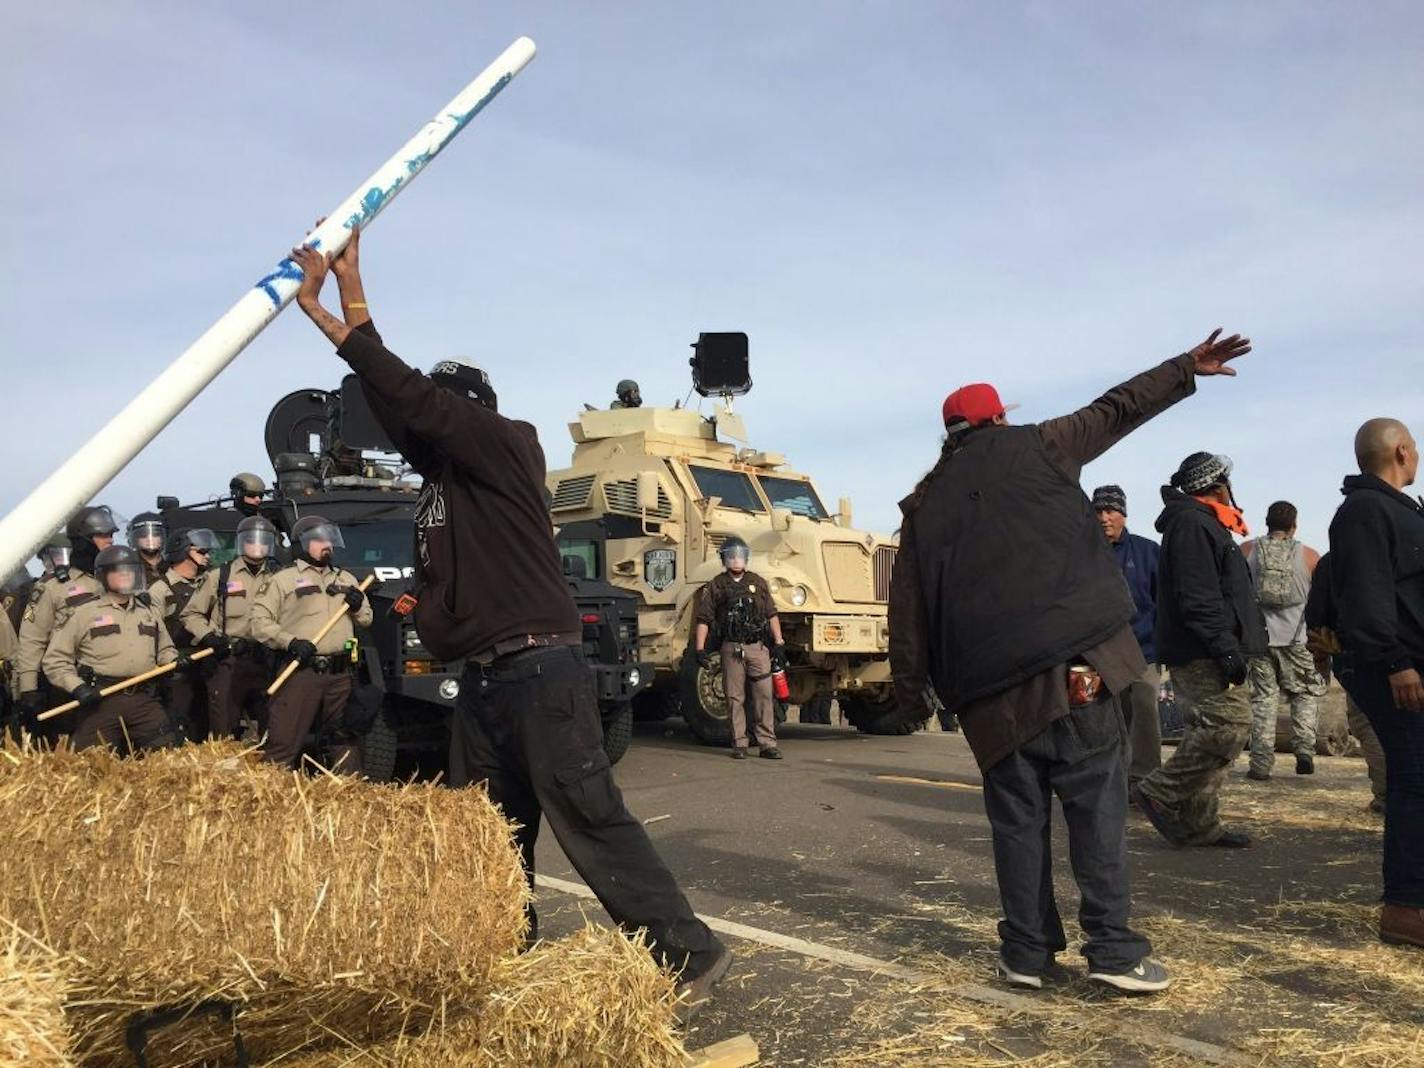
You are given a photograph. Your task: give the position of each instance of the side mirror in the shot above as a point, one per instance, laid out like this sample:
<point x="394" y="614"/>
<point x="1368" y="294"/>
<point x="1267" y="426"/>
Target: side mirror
<point x="845" y="515"/>
<point x="780" y="519"/>
<point x="647" y="491"/>
<point x="165" y="503"/>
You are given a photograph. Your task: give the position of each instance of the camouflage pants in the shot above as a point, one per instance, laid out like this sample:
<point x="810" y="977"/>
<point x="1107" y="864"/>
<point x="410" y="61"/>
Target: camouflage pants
<point x="1218" y="723"/>
<point x="1289" y="669"/>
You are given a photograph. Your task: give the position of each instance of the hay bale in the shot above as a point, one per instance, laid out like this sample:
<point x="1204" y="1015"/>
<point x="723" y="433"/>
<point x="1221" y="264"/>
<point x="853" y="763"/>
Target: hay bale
<point x="33" y="982"/>
<point x="315" y="904"/>
<point x="592" y="1000"/>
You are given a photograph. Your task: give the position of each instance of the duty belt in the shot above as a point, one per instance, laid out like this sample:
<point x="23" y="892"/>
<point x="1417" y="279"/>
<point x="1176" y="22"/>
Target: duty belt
<point x="522" y="643"/>
<point x="336" y="664"/>
<point x="105" y="681"/>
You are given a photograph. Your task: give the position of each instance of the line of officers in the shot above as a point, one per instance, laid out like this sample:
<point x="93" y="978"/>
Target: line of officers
<point x="103" y="613"/>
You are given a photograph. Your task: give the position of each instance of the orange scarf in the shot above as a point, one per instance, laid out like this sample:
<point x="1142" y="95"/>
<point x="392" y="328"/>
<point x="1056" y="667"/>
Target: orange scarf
<point x="1229" y="517"/>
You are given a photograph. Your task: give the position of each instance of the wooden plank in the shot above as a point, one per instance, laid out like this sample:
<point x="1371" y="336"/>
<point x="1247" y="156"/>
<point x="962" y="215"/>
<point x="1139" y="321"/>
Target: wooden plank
<point x="733" y="1053"/>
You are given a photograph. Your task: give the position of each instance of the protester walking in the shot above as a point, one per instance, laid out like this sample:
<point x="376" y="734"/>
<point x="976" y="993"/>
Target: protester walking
<point x="490" y="590"/>
<point x="1377" y="584"/>
<point x="1137" y="559"/>
<point x="1208" y="628"/>
<point x="1006" y="596"/>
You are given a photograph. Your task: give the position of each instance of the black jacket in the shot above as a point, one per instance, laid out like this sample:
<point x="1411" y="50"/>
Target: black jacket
<point x="1377" y="574"/>
<point x="1206" y="603"/>
<point x="1015" y="574"/>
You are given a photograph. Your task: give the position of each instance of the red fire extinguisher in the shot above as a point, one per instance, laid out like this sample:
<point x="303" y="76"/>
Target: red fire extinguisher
<point x="779" y="684"/>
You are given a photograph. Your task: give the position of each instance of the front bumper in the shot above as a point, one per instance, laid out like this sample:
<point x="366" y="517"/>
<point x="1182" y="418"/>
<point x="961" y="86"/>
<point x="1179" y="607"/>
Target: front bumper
<point x="618" y="683"/>
<point x="850" y="634"/>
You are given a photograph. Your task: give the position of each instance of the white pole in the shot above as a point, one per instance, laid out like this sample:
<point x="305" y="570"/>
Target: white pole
<point x="105" y="454"/>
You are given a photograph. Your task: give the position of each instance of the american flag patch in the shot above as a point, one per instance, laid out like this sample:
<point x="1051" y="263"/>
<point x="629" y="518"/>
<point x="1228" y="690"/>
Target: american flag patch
<point x="235" y="587"/>
<point x="301" y="583"/>
<point x="104" y="620"/>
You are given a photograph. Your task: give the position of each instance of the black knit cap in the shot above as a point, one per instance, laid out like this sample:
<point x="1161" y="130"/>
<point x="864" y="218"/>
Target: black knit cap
<point x="467" y="379"/>
<point x="1200" y="471"/>
<point x="1110" y="499"/>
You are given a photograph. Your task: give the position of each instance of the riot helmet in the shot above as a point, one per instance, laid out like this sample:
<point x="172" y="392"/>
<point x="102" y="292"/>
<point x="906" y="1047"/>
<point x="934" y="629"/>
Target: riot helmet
<point x="467" y="380"/>
<point x="147" y="532"/>
<point x="629" y="395"/>
<point x="54" y="554"/>
<point x="256" y="539"/>
<point x="119" y="570"/>
<point x="243" y="486"/>
<point x="316" y="538"/>
<point x="185" y="542"/>
<point x="86" y="529"/>
<point x="736" y="554"/>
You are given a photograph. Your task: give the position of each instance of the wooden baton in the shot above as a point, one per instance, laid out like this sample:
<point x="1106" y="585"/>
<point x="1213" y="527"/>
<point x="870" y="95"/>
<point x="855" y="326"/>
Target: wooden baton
<point x="151" y="673"/>
<point x="291" y="667"/>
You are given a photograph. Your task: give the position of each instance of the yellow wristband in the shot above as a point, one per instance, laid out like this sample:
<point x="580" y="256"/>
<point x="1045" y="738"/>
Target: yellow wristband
<point x="357" y="304"/>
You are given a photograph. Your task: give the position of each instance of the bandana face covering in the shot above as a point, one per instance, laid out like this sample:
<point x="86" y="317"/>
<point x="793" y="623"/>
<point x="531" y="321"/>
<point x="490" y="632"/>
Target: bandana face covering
<point x="1227" y="515"/>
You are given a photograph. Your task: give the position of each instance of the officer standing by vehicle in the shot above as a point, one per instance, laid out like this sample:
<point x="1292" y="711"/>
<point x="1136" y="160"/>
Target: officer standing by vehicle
<point x="218" y="617"/>
<point x="288" y="610"/>
<point x="738" y="604"/>
<point x="71" y="585"/>
<point x="185" y="555"/>
<point x="247" y="491"/>
<point x="147" y="534"/>
<point x="112" y="637"/>
<point x="490" y="590"/>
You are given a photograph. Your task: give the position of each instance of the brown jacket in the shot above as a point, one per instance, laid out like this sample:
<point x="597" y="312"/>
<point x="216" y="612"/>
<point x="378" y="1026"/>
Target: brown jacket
<point x="116" y="637"/>
<point x="996" y="725"/>
<point x="713" y="599"/>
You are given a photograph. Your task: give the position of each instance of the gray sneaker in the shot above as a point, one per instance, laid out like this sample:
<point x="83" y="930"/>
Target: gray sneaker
<point x="1147" y="978"/>
<point x="1018" y="980"/>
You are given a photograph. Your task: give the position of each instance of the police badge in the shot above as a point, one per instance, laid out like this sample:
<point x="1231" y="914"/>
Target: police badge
<point x="660" y="568"/>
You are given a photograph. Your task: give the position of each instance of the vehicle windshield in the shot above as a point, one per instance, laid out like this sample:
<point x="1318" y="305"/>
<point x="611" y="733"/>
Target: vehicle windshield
<point x="384" y="543"/>
<point x="733" y="487"/>
<point x="797" y="497"/>
<point x="580" y="557"/>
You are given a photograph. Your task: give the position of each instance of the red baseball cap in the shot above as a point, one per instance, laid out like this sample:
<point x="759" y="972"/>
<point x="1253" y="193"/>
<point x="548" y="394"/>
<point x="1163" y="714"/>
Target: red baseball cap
<point x="976" y="404"/>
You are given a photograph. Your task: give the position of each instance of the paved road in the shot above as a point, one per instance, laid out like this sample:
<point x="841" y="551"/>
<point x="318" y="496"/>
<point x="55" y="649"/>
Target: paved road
<point x="879" y="846"/>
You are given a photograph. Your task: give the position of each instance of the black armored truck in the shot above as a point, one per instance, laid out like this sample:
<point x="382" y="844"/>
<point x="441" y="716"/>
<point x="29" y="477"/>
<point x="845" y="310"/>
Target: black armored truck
<point x="331" y="458"/>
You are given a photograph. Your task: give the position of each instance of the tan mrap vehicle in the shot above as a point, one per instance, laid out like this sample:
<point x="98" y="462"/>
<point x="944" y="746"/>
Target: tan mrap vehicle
<point x="649" y="498"/>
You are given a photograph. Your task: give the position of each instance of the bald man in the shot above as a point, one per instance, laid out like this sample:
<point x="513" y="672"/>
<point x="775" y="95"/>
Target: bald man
<point x="1377" y="582"/>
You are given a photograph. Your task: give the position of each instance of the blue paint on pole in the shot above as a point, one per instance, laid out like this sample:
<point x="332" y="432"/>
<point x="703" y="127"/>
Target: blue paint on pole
<point x="286" y="271"/>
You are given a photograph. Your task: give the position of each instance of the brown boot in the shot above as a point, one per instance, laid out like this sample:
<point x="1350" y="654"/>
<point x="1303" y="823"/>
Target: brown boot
<point x="1402" y="925"/>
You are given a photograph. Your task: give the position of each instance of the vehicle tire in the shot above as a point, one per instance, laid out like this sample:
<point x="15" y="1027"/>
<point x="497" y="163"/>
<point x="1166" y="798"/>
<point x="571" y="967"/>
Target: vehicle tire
<point x="618" y="732"/>
<point x="878" y="717"/>
<point x="816" y="710"/>
<point x="704" y="701"/>
<point x="378" y="750"/>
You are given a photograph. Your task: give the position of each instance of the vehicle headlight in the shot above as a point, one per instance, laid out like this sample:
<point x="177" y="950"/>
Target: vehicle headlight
<point x="634" y="676"/>
<point x="450" y="689"/>
<point x="798" y="596"/>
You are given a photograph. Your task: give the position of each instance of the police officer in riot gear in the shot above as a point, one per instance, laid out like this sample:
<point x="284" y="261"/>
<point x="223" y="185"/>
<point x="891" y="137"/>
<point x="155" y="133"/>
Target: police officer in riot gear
<point x="147" y="534"/>
<point x="91" y="530"/>
<point x="738" y="604"/>
<point x="247" y="491"/>
<point x="185" y="555"/>
<point x="111" y="638"/>
<point x="629" y="395"/>
<point x="219" y="616"/>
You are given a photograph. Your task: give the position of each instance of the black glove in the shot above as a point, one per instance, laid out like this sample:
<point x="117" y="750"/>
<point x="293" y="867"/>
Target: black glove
<point x="31" y="702"/>
<point x="1233" y="666"/>
<point x="217" y="643"/>
<point x="354" y="598"/>
<point x="184" y="660"/>
<point x="87" y="694"/>
<point x="301" y="651"/>
<point x="778" y="657"/>
<point x="704" y="658"/>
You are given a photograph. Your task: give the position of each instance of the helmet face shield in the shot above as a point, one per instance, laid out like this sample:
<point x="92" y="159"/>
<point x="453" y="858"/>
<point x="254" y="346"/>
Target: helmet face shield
<point x="122" y="579"/>
<point x="203" y="538"/>
<point x="53" y="556"/>
<point x="101" y="521"/>
<point x="256" y="544"/>
<point x="148" y="536"/>
<point x="736" y="556"/>
<point x="320" y="540"/>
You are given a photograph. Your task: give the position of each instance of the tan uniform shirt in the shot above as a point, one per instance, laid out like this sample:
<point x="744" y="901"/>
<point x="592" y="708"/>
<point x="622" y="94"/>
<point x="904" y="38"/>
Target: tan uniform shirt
<point x="117" y="637"/>
<point x="297" y="601"/>
<point x="51" y="602"/>
<point x="9" y="646"/>
<point x="165" y="597"/>
<point x="205" y="611"/>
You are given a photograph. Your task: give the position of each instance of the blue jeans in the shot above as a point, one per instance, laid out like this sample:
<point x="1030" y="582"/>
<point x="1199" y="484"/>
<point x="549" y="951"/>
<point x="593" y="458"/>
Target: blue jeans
<point x="1401" y="736"/>
<point x="1080" y="758"/>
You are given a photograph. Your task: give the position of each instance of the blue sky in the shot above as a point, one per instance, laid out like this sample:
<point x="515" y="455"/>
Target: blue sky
<point x="892" y="199"/>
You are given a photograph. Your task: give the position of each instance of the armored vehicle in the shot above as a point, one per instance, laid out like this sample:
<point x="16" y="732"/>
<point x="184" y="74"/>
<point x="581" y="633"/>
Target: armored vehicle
<point x="648" y="499"/>
<point x="331" y="458"/>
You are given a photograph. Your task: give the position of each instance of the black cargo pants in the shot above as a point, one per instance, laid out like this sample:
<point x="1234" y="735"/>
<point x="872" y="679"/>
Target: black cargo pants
<point x="528" y="726"/>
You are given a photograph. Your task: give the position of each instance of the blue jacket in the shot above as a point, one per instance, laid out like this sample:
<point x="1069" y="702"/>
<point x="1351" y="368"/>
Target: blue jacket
<point x="1137" y="557"/>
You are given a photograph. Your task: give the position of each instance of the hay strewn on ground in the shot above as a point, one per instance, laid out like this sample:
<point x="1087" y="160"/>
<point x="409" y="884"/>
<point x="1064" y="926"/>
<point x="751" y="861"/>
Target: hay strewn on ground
<point x="318" y="904"/>
<point x="592" y="1000"/>
<point x="33" y="981"/>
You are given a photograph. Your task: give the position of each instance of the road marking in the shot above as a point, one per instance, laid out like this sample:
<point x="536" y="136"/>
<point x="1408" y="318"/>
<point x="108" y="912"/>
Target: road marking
<point x="1133" y="1029"/>
<point x="943" y="784"/>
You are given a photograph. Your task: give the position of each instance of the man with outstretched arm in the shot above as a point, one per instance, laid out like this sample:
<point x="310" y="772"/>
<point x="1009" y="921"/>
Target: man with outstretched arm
<point x="490" y="590"/>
